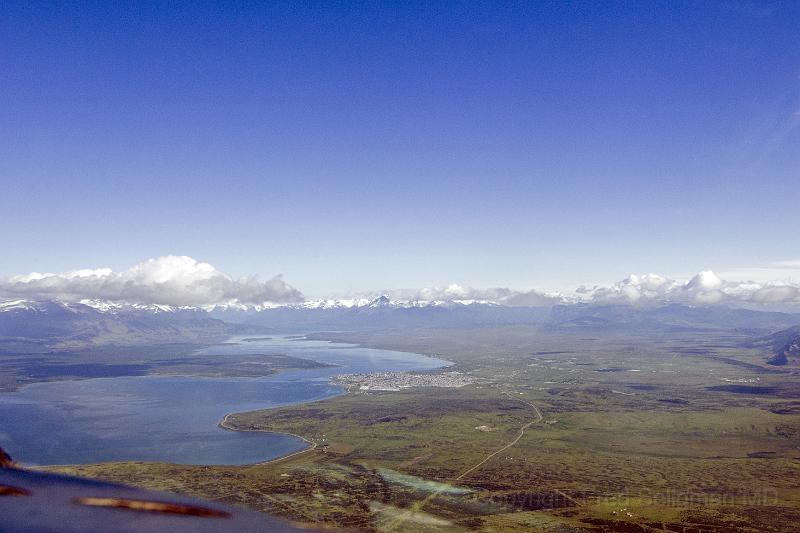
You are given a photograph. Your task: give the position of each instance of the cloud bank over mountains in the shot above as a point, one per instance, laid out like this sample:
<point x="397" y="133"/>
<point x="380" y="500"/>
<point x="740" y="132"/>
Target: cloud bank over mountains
<point x="703" y="289"/>
<point x="184" y="281"/>
<point x="169" y="280"/>
<point x="457" y="293"/>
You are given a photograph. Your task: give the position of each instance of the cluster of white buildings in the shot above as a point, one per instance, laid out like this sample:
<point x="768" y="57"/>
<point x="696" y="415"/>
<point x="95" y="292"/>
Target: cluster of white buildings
<point x="394" y="381"/>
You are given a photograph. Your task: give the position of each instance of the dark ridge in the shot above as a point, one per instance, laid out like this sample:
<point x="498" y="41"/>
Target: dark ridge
<point x="744" y="389"/>
<point x="87" y="370"/>
<point x="643" y="387"/>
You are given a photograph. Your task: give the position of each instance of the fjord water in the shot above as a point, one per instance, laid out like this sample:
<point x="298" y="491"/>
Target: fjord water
<point x="174" y="419"/>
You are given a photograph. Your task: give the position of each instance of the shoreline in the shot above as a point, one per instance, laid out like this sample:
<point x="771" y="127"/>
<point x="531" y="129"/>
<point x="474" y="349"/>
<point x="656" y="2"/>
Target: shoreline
<point x="224" y="424"/>
<point x="311" y="445"/>
<point x="345" y="389"/>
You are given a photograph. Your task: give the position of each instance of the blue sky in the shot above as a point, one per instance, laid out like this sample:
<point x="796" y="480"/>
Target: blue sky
<point x="358" y="146"/>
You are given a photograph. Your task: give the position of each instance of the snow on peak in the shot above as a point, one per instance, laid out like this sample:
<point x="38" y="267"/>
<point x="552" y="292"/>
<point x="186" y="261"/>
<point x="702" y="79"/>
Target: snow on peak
<point x="381" y="301"/>
<point x="17" y="305"/>
<point x="705" y="281"/>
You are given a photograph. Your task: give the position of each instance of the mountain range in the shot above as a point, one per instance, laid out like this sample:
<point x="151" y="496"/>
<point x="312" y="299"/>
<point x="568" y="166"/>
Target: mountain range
<point x="52" y="323"/>
<point x="784" y="346"/>
<point x="26" y="323"/>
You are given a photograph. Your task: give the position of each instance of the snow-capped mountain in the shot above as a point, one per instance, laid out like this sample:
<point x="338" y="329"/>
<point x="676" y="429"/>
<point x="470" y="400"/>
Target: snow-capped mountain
<point x="374" y="313"/>
<point x="92" y="322"/>
<point x="17" y="305"/>
<point x="382" y="301"/>
<point x="83" y="323"/>
<point x="83" y="306"/>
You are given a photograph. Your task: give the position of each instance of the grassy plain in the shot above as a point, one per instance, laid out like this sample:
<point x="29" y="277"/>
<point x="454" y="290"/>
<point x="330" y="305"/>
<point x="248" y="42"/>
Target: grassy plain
<point x="678" y="431"/>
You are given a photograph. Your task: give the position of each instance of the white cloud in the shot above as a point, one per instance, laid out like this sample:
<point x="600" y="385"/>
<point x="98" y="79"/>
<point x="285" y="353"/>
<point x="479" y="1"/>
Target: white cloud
<point x="706" y="288"/>
<point x="181" y="280"/>
<point x="458" y="293"/>
<point x="168" y="280"/>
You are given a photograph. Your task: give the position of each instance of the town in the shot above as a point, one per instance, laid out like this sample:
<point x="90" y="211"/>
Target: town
<point x="394" y="381"/>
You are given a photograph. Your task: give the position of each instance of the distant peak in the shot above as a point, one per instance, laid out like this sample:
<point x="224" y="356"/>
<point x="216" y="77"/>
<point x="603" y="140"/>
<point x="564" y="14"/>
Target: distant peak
<point x="381" y="301"/>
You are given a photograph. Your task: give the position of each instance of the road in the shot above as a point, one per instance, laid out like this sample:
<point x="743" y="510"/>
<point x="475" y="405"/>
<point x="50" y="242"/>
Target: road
<point x="516" y="439"/>
<point x="416" y="507"/>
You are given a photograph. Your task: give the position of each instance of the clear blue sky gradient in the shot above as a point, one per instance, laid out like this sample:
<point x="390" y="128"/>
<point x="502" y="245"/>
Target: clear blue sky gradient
<point x="356" y="146"/>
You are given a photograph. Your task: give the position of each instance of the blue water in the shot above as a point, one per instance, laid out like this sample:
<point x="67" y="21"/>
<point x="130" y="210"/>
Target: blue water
<point x="174" y="419"/>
